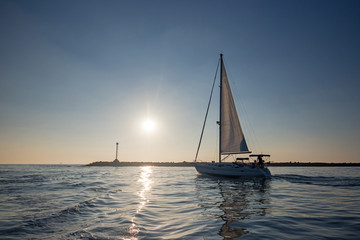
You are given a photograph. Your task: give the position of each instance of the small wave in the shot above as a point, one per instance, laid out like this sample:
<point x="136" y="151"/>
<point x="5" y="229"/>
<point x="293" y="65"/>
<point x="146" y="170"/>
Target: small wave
<point x="75" y="184"/>
<point x="320" y="180"/>
<point x="27" y="179"/>
<point x="81" y="234"/>
<point x="17" y="231"/>
<point x="60" y="215"/>
<point x="98" y="189"/>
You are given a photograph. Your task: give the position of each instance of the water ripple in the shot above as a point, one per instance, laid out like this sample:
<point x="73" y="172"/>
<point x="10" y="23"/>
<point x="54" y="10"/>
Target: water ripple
<point x="75" y="202"/>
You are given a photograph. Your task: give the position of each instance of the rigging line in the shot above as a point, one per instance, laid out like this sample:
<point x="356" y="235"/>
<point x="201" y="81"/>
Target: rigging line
<point x="207" y="111"/>
<point x="244" y="118"/>
<point x="252" y="133"/>
<point x="226" y="157"/>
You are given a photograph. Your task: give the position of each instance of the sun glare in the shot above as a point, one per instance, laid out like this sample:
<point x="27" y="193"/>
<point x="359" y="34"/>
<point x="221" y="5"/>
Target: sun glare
<point x="149" y="125"/>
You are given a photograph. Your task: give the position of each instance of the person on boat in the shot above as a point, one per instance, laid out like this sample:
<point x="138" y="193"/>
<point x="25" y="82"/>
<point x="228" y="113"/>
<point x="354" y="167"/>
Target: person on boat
<point x="260" y="161"/>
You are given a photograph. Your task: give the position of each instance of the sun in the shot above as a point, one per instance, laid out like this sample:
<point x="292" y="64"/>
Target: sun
<point x="149" y="125"/>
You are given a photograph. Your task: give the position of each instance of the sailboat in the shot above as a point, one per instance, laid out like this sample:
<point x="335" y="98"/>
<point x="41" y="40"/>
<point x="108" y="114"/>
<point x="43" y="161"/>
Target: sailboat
<point x="231" y="139"/>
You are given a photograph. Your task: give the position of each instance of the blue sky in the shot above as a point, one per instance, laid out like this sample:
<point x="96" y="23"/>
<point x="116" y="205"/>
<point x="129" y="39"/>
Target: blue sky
<point x="78" y="76"/>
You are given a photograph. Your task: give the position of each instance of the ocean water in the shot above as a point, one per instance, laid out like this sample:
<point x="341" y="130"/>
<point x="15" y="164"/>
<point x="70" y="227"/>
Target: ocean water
<point x="77" y="202"/>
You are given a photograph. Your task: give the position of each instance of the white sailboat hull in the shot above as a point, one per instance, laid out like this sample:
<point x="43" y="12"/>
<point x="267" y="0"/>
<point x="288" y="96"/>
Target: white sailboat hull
<point x="231" y="170"/>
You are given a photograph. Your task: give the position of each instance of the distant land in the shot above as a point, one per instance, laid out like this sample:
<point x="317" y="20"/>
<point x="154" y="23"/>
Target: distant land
<point x="131" y="164"/>
<point x="116" y="163"/>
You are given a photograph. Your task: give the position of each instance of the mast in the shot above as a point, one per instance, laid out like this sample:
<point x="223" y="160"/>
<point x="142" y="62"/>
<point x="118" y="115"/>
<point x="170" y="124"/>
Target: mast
<point x="221" y="72"/>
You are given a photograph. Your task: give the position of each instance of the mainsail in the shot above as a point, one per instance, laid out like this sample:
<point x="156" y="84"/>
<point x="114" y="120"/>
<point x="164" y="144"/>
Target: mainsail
<point x="232" y="136"/>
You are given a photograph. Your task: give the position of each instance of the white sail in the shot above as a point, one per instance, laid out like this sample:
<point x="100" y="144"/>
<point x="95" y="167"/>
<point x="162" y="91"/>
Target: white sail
<point x="232" y="137"/>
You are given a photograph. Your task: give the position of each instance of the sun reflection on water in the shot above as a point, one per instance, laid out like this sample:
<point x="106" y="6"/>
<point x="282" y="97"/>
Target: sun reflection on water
<point x="146" y="182"/>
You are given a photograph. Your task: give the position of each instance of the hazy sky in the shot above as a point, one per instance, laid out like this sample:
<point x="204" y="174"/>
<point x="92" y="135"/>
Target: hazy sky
<point x="78" y="76"/>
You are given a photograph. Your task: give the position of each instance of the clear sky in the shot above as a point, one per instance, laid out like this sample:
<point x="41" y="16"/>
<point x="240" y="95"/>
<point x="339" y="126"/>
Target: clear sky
<point x="78" y="76"/>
